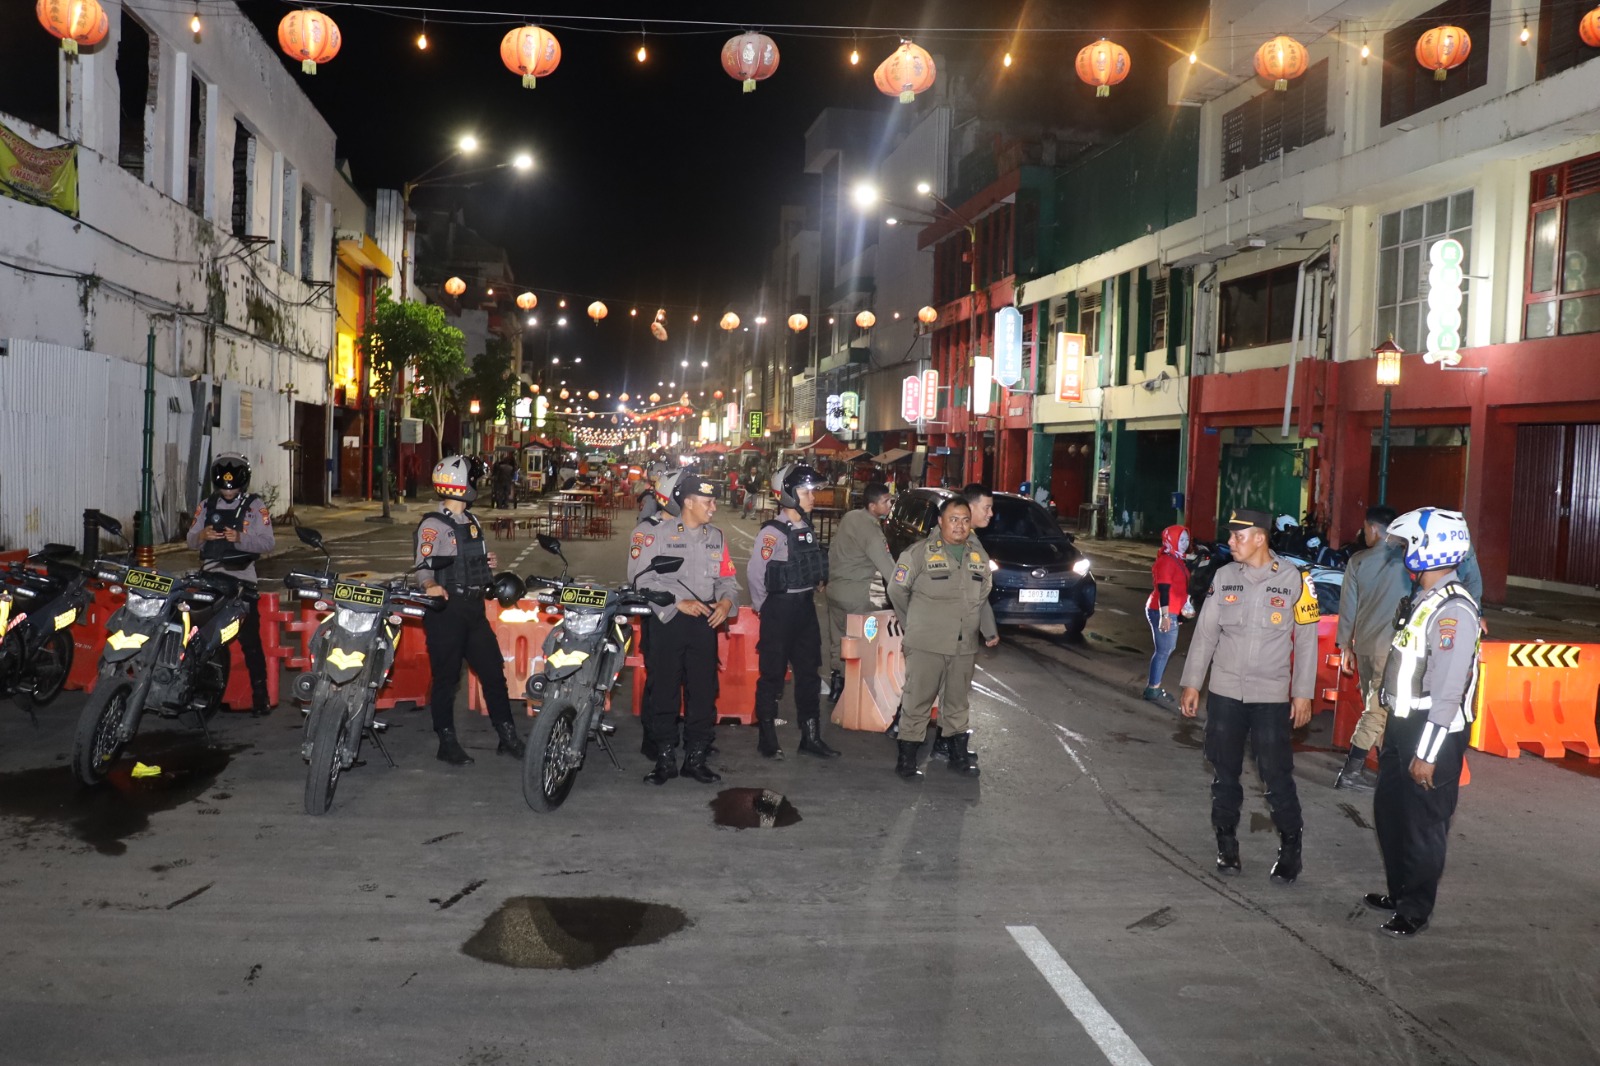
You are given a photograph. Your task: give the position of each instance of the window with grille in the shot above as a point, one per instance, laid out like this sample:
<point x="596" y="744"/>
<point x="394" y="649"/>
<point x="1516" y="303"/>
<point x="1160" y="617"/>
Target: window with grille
<point x="286" y="227"/>
<point x="1158" y="313"/>
<point x="244" y="177"/>
<point x="1410" y="87"/>
<point x="1404" y="239"/>
<point x="197" y="145"/>
<point x="1560" y="47"/>
<point x="1563" y="287"/>
<point x="1258" y="309"/>
<point x="1089" y="322"/>
<point x="1266" y="126"/>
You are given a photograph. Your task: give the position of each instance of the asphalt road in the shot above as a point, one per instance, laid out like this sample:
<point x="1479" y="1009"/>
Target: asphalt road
<point x="1060" y="909"/>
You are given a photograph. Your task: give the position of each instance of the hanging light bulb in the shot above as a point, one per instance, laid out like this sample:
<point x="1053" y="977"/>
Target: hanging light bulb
<point x="194" y="24"/>
<point x="1524" y="35"/>
<point x="641" y="54"/>
<point x="1007" y="60"/>
<point x="1194" y="57"/>
<point x="422" y="41"/>
<point x="855" y="53"/>
<point x="1366" y="53"/>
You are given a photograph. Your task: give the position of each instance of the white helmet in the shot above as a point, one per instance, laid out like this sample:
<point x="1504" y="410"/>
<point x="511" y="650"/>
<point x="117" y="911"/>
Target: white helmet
<point x="1436" y="539"/>
<point x="456" y="478"/>
<point x="665" y="487"/>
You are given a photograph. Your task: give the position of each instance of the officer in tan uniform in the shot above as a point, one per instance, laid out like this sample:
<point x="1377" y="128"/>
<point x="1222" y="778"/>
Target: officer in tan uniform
<point x="857" y="552"/>
<point x="1261" y="613"/>
<point x="941" y="589"/>
<point x="680" y="645"/>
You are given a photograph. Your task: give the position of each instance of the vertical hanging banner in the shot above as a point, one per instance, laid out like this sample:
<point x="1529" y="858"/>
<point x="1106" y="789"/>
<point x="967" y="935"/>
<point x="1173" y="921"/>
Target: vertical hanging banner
<point x="911" y="398"/>
<point x="1008" y="346"/>
<point x="1445" y="275"/>
<point x="1069" y="367"/>
<point x="930" y="394"/>
<point x="982" y="383"/>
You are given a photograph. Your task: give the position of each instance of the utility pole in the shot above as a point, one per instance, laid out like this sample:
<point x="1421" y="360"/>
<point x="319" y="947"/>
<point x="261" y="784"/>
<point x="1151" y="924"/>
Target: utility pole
<point x="144" y="539"/>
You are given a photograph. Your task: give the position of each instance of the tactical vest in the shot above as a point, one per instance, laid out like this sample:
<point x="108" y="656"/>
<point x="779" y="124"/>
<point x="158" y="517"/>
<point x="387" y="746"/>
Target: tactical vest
<point x="470" y="572"/>
<point x="220" y="518"/>
<point x="807" y="565"/>
<point x="1402" y="692"/>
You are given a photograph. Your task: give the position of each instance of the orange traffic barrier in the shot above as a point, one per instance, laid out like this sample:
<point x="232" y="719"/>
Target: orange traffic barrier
<point x="1537" y="696"/>
<point x="874" y="672"/>
<point x="411" y="679"/>
<point x="738" y="669"/>
<point x="239" y="696"/>
<point x="298" y="633"/>
<point x="520" y="632"/>
<point x="89" y="636"/>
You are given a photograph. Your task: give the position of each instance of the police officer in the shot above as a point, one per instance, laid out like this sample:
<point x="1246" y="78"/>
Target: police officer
<point x="680" y="641"/>
<point x="461" y="630"/>
<point x="857" y="552"/>
<point x="1428" y="687"/>
<point x="655" y="505"/>
<point x="1260" y="614"/>
<point x="786" y="565"/>
<point x="1375" y="581"/>
<point x="233" y="521"/>
<point x="941" y="589"/>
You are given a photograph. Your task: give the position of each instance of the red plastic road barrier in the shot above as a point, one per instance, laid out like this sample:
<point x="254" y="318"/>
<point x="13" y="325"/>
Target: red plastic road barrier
<point x="89" y="637"/>
<point x="411" y="679"/>
<point x="239" y="696"/>
<point x="520" y="632"/>
<point x="1537" y="696"/>
<point x="298" y="632"/>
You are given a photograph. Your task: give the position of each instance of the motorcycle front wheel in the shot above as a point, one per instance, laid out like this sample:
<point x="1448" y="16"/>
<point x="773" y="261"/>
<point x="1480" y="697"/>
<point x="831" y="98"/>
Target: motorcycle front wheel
<point x="51" y="665"/>
<point x="546" y="777"/>
<point x="96" y="746"/>
<point x="329" y="730"/>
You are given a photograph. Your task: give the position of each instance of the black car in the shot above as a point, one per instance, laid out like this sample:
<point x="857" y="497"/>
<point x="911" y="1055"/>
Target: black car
<point x="1040" y="578"/>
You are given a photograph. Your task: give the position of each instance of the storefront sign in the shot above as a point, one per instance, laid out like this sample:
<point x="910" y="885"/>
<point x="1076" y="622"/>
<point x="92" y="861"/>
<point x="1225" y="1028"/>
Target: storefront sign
<point x="911" y="398"/>
<point x="523" y="408"/>
<point x="850" y="411"/>
<point x="833" y="414"/>
<point x="541" y="406"/>
<point x="982" y="383"/>
<point x="755" y="422"/>
<point x="1444" y="302"/>
<point x="1008" y="346"/>
<point x="730" y="420"/>
<point x="930" y="394"/>
<point x="1069" y="367"/>
<point x="38" y="175"/>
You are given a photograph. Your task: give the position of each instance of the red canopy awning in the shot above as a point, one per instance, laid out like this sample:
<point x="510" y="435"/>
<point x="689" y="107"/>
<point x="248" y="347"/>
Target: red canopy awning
<point x="828" y="444"/>
<point x="714" y="448"/>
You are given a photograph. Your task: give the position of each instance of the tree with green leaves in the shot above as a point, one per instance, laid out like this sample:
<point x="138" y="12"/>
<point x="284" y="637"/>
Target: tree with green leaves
<point x="414" y="335"/>
<point x="493" y="381"/>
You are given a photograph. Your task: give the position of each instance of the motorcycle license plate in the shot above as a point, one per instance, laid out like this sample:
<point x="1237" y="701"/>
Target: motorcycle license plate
<point x="148" y="581"/>
<point x="583" y="596"/>
<point x="348" y="592"/>
<point x="1039" y="595"/>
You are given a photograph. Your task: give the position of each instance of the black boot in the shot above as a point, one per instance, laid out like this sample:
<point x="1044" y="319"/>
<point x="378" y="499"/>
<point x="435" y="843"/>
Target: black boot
<point x="510" y="744"/>
<point x="1353" y="776"/>
<point x="260" y="708"/>
<point x="648" y="748"/>
<point x="767" y="739"/>
<point x="962" y="761"/>
<point x="906" y="764"/>
<point x="835" y="686"/>
<point x="666" y="767"/>
<point x="694" y="765"/>
<point x="894" y="725"/>
<point x="941" y="744"/>
<point x="811" y="741"/>
<point x="1228" y="853"/>
<point x="1287" y="868"/>
<point x="450" y="749"/>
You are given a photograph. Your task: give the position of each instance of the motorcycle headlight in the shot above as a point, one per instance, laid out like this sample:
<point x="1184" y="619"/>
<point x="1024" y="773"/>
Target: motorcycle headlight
<point x="1081" y="567"/>
<point x="144" y="606"/>
<point x="584" y="623"/>
<point x="355" y="621"/>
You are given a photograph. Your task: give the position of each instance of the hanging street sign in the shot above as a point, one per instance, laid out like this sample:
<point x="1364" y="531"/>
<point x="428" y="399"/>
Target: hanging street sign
<point x="930" y="394"/>
<point x="911" y="398"/>
<point x="1008" y="346"/>
<point x="1444" y="302"/>
<point x="1069" y="367"/>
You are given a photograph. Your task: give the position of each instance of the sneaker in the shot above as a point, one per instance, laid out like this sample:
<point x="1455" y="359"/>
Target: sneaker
<point x="1158" y="695"/>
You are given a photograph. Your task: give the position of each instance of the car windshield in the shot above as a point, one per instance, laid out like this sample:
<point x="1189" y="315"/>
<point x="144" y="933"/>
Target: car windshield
<point x="1021" y="518"/>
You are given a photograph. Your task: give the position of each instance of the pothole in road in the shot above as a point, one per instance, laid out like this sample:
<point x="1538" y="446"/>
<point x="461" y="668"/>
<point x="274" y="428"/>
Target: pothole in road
<point x="753" y="808"/>
<point x="50" y="797"/>
<point x="570" y="932"/>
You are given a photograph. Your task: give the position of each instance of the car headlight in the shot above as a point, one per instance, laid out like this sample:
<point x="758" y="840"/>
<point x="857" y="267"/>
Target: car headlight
<point x="1081" y="567"/>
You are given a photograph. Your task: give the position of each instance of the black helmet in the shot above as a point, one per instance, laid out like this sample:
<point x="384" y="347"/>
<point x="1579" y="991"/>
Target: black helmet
<point x="507" y="589"/>
<point x="230" y="470"/>
<point x="790" y="480"/>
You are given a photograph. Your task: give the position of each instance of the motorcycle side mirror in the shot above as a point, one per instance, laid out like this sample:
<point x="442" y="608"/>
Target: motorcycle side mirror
<point x="108" y="524"/>
<point x="55" y="551"/>
<point x="309" y="536"/>
<point x="664" y="564"/>
<point x="550" y="544"/>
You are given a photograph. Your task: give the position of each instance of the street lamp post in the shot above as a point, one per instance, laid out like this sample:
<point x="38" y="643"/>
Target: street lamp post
<point x="1388" y="354"/>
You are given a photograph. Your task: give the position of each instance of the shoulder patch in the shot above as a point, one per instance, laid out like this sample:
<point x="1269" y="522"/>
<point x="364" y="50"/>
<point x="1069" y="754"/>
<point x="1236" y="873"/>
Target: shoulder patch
<point x="1305" y="608"/>
<point x="768" y="542"/>
<point x="429" y="534"/>
<point x="900" y="573"/>
<point x="266" y="516"/>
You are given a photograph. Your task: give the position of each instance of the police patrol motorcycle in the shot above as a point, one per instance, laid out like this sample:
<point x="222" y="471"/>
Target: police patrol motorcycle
<point x="167" y="652"/>
<point x="584" y="654"/>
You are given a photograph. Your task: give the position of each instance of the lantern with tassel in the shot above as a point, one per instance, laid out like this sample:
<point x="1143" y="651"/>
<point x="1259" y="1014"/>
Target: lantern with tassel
<point x="749" y="58"/>
<point x="74" y="22"/>
<point x="1103" y="64"/>
<point x="309" y="36"/>
<point x="1443" y="49"/>
<point x="907" y="72"/>
<point x="531" y="51"/>
<point x="1280" y="59"/>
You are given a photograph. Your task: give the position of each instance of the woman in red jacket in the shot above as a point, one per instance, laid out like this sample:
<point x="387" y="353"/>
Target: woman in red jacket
<point x="1168" y="602"/>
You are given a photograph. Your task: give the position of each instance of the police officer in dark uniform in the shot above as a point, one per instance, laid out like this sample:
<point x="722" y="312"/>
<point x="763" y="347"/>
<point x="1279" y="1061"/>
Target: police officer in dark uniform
<point x="461" y="630"/>
<point x="234" y="521"/>
<point x="786" y="566"/>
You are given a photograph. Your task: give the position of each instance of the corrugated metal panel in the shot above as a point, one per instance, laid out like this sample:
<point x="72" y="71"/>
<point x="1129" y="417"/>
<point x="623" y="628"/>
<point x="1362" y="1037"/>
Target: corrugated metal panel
<point x="1536" y="501"/>
<point x="1583" y="529"/>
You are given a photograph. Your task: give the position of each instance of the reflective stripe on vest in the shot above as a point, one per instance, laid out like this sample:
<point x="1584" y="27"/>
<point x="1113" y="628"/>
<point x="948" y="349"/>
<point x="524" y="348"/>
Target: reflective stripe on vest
<point x="1408" y="660"/>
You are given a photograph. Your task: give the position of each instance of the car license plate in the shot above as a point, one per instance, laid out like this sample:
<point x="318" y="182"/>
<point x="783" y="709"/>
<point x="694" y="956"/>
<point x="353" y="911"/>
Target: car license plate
<point x="1039" y="595"/>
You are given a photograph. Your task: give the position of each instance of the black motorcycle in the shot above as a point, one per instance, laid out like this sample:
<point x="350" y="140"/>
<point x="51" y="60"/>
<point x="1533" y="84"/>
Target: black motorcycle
<point x="166" y="653"/>
<point x="40" y="599"/>
<point x="584" y="654"/>
<point x="352" y="653"/>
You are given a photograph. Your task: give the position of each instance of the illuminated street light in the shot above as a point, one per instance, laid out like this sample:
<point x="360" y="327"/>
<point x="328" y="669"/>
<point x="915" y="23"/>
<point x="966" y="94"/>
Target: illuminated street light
<point x="864" y="194"/>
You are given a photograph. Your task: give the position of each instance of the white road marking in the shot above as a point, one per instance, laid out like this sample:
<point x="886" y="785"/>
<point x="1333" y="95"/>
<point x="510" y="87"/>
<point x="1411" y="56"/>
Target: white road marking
<point x="1079" y="737"/>
<point x="1115" y="610"/>
<point x="1118" y="1048"/>
<point x="1082" y="769"/>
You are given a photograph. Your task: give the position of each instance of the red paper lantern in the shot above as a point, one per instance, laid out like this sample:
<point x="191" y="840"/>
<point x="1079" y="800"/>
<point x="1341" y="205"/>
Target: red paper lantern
<point x="531" y="51"/>
<point x="730" y="322"/>
<point x="527" y="301"/>
<point x="593" y="395"/>
<point x="658" y="331"/>
<point x="907" y="72"/>
<point x="798" y="322"/>
<point x="1589" y="28"/>
<point x="1103" y="64"/>
<point x="655" y="397"/>
<point x="1280" y="59"/>
<point x="866" y="320"/>
<point x="927" y="316"/>
<point x="74" y="22"/>
<point x="597" y="311"/>
<point x="1443" y="49"/>
<point x="309" y="36"/>
<point x="717" y="395"/>
<point x="750" y="57"/>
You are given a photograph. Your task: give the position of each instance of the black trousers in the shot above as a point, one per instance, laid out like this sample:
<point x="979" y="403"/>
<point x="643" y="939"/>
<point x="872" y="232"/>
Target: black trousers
<point x="255" y="660"/>
<point x="1229" y="723"/>
<point x="790" y="640"/>
<point x="1412" y="821"/>
<point x="461" y="632"/>
<point x="680" y="662"/>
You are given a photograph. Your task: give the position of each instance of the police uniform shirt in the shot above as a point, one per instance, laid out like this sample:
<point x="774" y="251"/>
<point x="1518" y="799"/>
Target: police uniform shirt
<point x="858" y="550"/>
<point x="1448" y="654"/>
<point x="436" y="538"/>
<point x="245" y="512"/>
<point x="1257" y="633"/>
<point x="707" y="572"/>
<point x="771" y="546"/>
<point x="942" y="592"/>
<point x="1375" y="581"/>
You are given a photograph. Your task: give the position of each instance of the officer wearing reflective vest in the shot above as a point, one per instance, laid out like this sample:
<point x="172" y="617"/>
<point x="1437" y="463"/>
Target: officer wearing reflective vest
<point x="680" y="642"/>
<point x="787" y="564"/>
<point x="1428" y="687"/>
<point x="461" y="630"/>
<point x="233" y="521"/>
